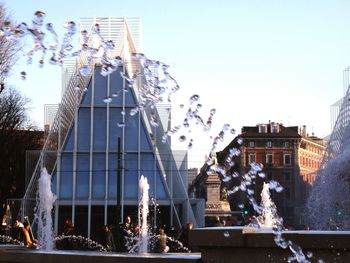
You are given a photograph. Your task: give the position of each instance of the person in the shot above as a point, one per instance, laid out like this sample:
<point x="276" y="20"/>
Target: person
<point x="68" y="228"/>
<point x="217" y="222"/>
<point x="161" y="242"/>
<point x="127" y="223"/>
<point x="18" y="229"/>
<point x="27" y="238"/>
<point x="126" y="234"/>
<point x="183" y="236"/>
<point x="109" y="239"/>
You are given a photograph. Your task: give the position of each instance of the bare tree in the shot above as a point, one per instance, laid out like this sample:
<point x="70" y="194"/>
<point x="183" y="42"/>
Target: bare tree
<point x="17" y="135"/>
<point x="8" y="47"/>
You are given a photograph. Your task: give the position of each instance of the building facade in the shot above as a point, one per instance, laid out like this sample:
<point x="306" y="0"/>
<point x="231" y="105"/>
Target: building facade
<point x="289" y="156"/>
<point x="96" y="150"/>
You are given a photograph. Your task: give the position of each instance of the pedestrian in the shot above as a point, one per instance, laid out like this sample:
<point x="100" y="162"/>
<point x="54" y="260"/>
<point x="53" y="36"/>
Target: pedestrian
<point x="217" y="222"/>
<point x="127" y="234"/>
<point x="183" y="236"/>
<point x="27" y="239"/>
<point x="68" y="228"/>
<point x="18" y="230"/>
<point x="162" y="242"/>
<point x="109" y="239"/>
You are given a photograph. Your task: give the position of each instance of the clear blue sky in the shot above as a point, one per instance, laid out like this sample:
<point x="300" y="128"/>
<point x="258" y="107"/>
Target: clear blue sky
<point x="253" y="61"/>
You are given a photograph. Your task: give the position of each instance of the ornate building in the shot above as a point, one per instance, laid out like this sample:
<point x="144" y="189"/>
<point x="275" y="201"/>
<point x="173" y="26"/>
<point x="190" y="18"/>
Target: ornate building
<point x="291" y="157"/>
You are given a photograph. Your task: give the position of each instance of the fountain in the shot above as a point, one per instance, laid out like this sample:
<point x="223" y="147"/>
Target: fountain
<point x="268" y="218"/>
<point x="327" y="207"/>
<point x="45" y="200"/>
<point x="143" y="209"/>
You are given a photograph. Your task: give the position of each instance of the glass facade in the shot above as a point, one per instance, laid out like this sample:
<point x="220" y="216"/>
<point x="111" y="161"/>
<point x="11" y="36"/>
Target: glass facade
<point x="99" y="161"/>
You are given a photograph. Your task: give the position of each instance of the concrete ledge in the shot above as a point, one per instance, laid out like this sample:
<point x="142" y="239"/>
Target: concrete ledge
<point x="20" y="255"/>
<point x="223" y="244"/>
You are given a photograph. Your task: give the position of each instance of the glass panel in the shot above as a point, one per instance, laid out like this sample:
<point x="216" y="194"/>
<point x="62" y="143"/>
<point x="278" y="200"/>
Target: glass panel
<point x="100" y="129"/>
<point x="114" y="131"/>
<point x="100" y="87"/>
<point x="131" y="132"/>
<point x="161" y="194"/>
<point x="87" y="96"/>
<point x="66" y="179"/>
<point x="131" y="176"/>
<point x="84" y="129"/>
<point x="83" y="175"/>
<point x="112" y="176"/>
<point x="147" y="170"/>
<point x="70" y="142"/>
<point x="98" y="176"/>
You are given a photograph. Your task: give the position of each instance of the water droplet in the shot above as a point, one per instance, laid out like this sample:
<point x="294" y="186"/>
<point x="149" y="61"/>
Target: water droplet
<point x="71" y="27"/>
<point x="190" y="144"/>
<point x="38" y="18"/>
<point x="241" y="206"/>
<point x="77" y="88"/>
<point x="309" y="254"/>
<point x="262" y="175"/>
<point x="154" y="121"/>
<point x="121" y="124"/>
<point x="233" y="131"/>
<point x="134" y="111"/>
<point x="96" y="29"/>
<point x="84" y="71"/>
<point x="23" y="75"/>
<point x="182" y="106"/>
<point x="109" y="44"/>
<point x="226" y="234"/>
<point x="194" y="98"/>
<point x="279" y="189"/>
<point x="182" y="138"/>
<point x="226" y="127"/>
<point x="107" y="100"/>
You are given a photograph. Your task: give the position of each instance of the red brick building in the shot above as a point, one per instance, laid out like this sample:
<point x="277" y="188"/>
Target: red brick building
<point x="291" y="157"/>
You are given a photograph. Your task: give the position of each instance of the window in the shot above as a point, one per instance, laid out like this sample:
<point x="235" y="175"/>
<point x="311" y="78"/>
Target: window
<point x="286" y="144"/>
<point x="269" y="144"/>
<point x="251" y="144"/>
<point x="274" y="127"/>
<point x="269" y="158"/>
<point x="287" y="159"/>
<point x="262" y="128"/>
<point x="251" y="158"/>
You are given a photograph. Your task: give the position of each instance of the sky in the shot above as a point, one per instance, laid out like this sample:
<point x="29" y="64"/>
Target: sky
<point x="254" y="61"/>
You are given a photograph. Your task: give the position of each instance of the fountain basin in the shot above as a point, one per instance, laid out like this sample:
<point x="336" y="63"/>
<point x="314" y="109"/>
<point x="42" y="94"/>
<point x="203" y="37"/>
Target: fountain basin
<point x="19" y="254"/>
<point x="244" y="244"/>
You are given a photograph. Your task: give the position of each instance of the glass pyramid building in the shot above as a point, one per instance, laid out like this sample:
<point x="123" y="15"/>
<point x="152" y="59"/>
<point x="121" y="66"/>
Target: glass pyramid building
<point x="96" y="150"/>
